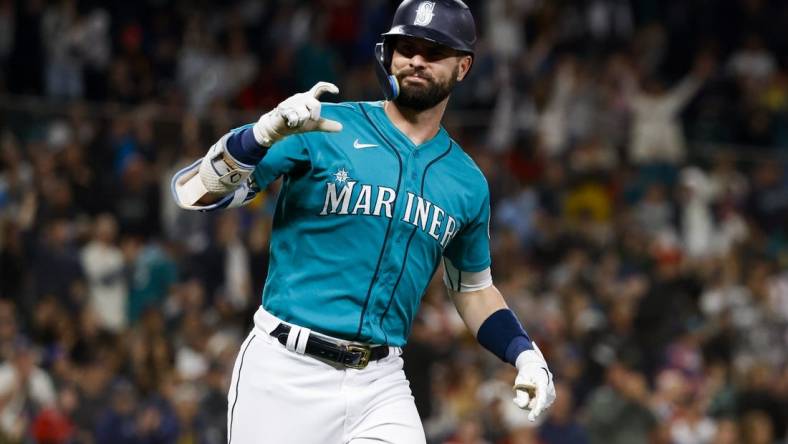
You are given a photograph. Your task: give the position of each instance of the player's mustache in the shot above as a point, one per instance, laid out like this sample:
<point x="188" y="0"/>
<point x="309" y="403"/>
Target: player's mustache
<point x="412" y="72"/>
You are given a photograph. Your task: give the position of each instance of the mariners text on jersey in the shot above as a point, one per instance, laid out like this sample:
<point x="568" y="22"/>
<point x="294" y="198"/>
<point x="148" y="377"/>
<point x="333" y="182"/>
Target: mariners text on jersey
<point x="418" y="211"/>
<point x="362" y="222"/>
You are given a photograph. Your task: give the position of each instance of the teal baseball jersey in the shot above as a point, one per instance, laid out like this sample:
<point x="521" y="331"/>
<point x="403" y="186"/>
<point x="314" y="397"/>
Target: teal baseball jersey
<point x="362" y="222"/>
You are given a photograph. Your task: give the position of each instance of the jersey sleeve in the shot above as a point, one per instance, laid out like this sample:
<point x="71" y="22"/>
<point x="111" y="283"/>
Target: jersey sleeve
<point x="287" y="156"/>
<point x="467" y="257"/>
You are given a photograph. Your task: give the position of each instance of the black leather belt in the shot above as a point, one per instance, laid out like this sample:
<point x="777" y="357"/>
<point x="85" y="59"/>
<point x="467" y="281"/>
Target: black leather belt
<point x="355" y="356"/>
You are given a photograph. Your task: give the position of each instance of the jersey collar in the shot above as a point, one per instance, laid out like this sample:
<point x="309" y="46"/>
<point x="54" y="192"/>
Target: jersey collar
<point x="438" y="142"/>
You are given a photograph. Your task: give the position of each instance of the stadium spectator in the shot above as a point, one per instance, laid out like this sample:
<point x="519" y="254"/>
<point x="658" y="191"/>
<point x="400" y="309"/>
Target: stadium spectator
<point x="25" y="390"/>
<point x="104" y="267"/>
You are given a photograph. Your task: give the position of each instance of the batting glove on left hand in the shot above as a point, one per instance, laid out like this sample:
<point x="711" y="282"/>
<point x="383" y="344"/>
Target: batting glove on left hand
<point x="296" y="114"/>
<point x="534" y="389"/>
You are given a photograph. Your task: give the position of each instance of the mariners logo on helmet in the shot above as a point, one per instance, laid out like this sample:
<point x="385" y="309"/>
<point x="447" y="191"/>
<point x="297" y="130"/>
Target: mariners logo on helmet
<point x="424" y="14"/>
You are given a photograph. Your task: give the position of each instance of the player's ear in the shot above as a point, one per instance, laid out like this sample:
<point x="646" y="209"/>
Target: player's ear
<point x="464" y="67"/>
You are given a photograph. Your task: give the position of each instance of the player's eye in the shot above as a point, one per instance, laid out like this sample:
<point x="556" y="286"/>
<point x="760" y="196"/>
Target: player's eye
<point x="406" y="49"/>
<point x="429" y="52"/>
<point x="436" y="54"/>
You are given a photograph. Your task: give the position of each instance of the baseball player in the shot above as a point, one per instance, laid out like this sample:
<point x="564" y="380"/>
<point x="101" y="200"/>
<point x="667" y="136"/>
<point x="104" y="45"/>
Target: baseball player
<point x="375" y="197"/>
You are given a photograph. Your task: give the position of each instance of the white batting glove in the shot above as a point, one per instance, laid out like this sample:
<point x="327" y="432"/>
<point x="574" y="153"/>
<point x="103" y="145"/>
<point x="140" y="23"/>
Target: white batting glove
<point x="296" y="114"/>
<point x="533" y="387"/>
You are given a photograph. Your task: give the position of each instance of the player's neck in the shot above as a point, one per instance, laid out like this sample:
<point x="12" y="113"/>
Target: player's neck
<point x="418" y="126"/>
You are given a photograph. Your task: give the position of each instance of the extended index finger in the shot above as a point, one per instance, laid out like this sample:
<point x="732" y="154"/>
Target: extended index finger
<point x="321" y="87"/>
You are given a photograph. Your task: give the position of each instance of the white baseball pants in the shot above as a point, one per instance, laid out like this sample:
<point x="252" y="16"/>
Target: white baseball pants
<point x="281" y="396"/>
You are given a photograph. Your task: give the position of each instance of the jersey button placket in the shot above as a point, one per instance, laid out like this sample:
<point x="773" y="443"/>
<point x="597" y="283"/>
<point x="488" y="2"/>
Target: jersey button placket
<point x="412" y="166"/>
<point x="395" y="249"/>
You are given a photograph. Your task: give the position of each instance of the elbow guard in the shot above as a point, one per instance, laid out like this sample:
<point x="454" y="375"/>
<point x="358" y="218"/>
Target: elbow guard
<point x="218" y="173"/>
<point x="187" y="189"/>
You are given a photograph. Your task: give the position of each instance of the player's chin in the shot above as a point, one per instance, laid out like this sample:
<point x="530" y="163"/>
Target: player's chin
<point x="419" y="87"/>
<point x="415" y="87"/>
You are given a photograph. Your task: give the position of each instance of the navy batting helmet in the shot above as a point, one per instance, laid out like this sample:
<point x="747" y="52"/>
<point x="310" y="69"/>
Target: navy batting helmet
<point x="445" y="22"/>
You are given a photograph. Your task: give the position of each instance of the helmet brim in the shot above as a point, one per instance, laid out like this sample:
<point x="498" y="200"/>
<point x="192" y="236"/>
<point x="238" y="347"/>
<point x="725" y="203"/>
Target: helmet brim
<point x="431" y="35"/>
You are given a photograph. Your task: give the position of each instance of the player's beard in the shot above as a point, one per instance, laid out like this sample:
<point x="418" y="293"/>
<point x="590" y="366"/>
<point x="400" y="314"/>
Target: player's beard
<point x="423" y="97"/>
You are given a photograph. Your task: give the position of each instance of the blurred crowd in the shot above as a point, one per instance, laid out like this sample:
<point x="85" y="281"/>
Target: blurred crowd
<point x="636" y="156"/>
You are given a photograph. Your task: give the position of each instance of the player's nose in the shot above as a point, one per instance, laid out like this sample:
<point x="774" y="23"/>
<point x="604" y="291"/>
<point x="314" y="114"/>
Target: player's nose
<point x="418" y="60"/>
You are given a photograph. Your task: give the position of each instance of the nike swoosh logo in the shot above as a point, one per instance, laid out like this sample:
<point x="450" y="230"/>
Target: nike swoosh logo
<point x="359" y="146"/>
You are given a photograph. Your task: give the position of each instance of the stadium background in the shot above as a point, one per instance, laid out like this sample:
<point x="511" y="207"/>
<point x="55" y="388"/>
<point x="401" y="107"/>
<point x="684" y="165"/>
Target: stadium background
<point x="636" y="154"/>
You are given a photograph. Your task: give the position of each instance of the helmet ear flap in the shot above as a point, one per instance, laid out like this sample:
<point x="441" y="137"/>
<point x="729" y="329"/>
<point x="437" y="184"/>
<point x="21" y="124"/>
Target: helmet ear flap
<point x="382" y="69"/>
